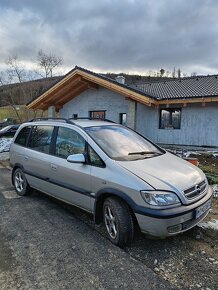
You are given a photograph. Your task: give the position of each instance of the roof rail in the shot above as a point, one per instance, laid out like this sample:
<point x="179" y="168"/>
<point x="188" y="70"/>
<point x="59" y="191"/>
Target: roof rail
<point x="50" y="118"/>
<point x="91" y="118"/>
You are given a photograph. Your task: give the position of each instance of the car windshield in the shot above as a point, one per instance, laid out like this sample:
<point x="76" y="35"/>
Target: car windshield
<point x="121" y="143"/>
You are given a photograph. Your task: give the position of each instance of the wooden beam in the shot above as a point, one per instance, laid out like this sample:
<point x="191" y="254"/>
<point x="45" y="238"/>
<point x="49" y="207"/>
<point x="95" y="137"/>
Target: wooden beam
<point x="78" y="81"/>
<point x="36" y="103"/>
<point x="62" y="90"/>
<point x="64" y="99"/>
<point x="92" y="79"/>
<point x="91" y="85"/>
<point x="117" y="88"/>
<point x="188" y="101"/>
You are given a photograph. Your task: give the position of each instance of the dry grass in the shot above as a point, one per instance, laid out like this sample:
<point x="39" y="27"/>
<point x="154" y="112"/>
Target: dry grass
<point x="23" y="112"/>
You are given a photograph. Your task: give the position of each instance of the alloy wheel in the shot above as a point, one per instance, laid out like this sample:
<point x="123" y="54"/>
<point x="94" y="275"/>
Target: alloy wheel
<point x="19" y="181"/>
<point x="110" y="222"/>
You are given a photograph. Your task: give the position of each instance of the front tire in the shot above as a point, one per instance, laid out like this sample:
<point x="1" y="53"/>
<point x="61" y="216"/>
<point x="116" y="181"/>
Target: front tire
<point x="118" y="222"/>
<point x="20" y="183"/>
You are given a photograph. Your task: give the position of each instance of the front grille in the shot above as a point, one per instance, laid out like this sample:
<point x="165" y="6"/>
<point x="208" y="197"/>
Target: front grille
<point x="196" y="190"/>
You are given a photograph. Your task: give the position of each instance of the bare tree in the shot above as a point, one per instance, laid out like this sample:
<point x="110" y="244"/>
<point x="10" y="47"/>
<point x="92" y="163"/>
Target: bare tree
<point x="16" y="72"/>
<point x="48" y="62"/>
<point x="12" y="94"/>
<point x="179" y="73"/>
<point x="162" y="72"/>
<point x="8" y="98"/>
<point x="174" y="72"/>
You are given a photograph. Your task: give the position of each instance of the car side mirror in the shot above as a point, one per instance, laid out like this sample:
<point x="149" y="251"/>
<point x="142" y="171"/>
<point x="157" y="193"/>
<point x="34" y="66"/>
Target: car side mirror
<point x="76" y="158"/>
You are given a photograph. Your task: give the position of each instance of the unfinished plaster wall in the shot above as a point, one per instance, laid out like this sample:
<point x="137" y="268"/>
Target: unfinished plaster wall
<point x="199" y="125"/>
<point x="96" y="100"/>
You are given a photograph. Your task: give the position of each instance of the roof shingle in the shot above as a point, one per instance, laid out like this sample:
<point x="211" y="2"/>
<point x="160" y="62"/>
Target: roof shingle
<point x="192" y="87"/>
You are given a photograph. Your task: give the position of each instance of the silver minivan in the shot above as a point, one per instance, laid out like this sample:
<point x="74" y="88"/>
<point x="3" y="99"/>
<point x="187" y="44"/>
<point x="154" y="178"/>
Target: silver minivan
<point x="113" y="172"/>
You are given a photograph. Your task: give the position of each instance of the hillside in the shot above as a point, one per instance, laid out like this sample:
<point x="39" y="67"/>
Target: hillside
<point x="21" y="93"/>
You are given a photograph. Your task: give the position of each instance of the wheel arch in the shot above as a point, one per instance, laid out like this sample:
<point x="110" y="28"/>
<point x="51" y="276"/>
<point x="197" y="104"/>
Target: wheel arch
<point x="109" y="192"/>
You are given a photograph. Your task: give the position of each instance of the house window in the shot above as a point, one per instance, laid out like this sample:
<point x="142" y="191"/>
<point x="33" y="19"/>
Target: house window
<point x="123" y="119"/>
<point x="97" y="114"/>
<point x="170" y="118"/>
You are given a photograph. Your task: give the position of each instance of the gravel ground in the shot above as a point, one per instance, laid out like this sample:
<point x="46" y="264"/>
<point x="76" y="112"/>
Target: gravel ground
<point x="43" y="245"/>
<point x="46" y="244"/>
<point x="187" y="261"/>
<point x="4" y="156"/>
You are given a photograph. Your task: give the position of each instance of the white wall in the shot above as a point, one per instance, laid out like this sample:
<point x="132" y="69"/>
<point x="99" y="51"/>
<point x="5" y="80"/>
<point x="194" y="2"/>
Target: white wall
<point x="199" y="125"/>
<point x="96" y="100"/>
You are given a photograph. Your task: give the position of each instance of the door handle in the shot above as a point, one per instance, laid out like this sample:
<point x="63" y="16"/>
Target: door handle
<point x="26" y="158"/>
<point x="53" y="167"/>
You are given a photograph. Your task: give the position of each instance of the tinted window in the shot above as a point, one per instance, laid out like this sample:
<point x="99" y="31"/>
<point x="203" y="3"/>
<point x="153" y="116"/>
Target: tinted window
<point x="41" y="138"/>
<point x="94" y="159"/>
<point x="22" y="136"/>
<point x="122" y="144"/>
<point x="69" y="142"/>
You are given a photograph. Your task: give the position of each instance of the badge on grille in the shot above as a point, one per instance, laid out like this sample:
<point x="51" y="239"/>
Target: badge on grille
<point x="197" y="188"/>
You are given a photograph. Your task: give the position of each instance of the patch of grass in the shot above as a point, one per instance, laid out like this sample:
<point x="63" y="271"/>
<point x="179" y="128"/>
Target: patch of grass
<point x="212" y="179"/>
<point x="209" y="168"/>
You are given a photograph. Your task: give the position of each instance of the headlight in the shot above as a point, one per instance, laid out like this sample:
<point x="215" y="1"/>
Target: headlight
<point x="160" y="197"/>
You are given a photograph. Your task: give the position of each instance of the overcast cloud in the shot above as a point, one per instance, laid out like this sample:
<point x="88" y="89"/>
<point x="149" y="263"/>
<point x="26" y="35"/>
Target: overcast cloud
<point x="114" y="35"/>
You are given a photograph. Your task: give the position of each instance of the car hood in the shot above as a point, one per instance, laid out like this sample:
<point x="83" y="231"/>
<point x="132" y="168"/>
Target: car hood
<point x="165" y="172"/>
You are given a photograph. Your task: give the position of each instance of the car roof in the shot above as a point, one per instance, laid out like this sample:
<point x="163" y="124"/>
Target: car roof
<point x="80" y="122"/>
<point x="91" y="123"/>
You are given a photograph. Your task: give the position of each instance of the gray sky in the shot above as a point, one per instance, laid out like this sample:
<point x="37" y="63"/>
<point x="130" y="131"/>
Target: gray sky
<point x="114" y="35"/>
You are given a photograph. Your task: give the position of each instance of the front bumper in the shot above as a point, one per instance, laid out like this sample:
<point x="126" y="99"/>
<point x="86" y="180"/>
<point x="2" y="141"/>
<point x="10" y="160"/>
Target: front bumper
<point x="171" y="222"/>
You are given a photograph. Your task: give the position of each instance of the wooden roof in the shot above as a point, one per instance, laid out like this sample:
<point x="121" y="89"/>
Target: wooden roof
<point x="79" y="80"/>
<point x="76" y="82"/>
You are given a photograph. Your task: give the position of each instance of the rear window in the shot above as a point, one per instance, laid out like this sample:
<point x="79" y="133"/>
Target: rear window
<point x="22" y="136"/>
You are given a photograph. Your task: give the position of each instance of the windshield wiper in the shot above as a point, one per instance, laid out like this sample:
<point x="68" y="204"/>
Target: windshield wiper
<point x="145" y="153"/>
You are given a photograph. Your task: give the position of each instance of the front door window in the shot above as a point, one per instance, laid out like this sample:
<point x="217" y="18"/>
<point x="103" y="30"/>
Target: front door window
<point x="69" y="142"/>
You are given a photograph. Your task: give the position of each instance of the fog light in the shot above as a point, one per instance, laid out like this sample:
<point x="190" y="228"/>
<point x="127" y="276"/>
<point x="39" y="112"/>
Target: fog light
<point x="174" y="229"/>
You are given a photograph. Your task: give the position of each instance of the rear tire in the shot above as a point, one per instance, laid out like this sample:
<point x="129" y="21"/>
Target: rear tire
<point x="118" y="222"/>
<point x="20" y="182"/>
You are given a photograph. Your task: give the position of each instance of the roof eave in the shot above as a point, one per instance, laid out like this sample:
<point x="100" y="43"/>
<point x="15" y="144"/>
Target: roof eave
<point x="38" y="103"/>
<point x="205" y="99"/>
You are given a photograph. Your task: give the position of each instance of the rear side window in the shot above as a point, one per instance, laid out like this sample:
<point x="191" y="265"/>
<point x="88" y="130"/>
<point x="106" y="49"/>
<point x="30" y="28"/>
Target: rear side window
<point x="69" y="142"/>
<point x="41" y="138"/>
<point x="22" y="136"/>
